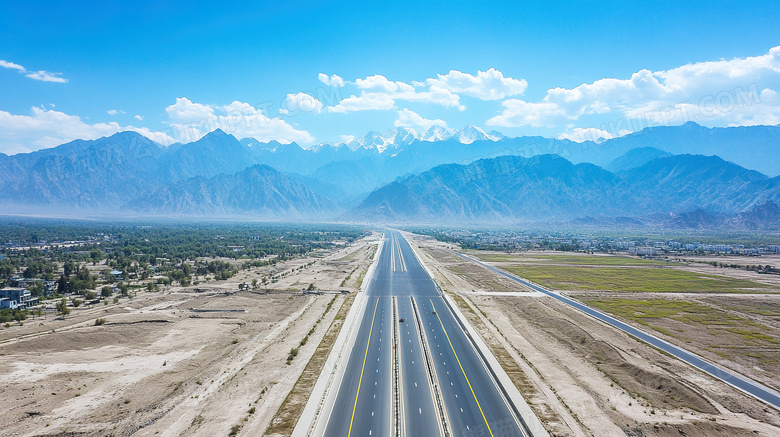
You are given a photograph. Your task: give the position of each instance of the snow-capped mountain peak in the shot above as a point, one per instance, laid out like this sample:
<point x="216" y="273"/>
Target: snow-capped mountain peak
<point x="437" y="133"/>
<point x="403" y="136"/>
<point x="471" y="133"/>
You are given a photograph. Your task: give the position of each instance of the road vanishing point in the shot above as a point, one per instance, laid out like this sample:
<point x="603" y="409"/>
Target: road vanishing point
<point x="413" y="368"/>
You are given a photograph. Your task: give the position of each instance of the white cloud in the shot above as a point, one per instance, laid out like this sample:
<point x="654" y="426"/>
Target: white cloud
<point x="301" y="102"/>
<point x="115" y="112"/>
<point x="521" y="113"/>
<point x="185" y="110"/>
<point x="486" y="85"/>
<point x="409" y="118"/>
<point x="6" y="64"/>
<point x="724" y="91"/>
<point x="333" y="80"/>
<point x="190" y="121"/>
<point x="379" y="93"/>
<point x="47" y="128"/>
<point x="364" y="102"/>
<point x="435" y="95"/>
<point x="45" y="76"/>
<point x="40" y="75"/>
<point x="347" y="138"/>
<point x="378" y="82"/>
<point x="138" y="117"/>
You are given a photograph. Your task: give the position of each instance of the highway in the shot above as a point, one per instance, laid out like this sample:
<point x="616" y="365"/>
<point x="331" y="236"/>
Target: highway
<point x="736" y="380"/>
<point x="473" y="404"/>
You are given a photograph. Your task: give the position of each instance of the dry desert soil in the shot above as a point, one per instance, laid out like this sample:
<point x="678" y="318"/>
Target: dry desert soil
<point x="585" y="378"/>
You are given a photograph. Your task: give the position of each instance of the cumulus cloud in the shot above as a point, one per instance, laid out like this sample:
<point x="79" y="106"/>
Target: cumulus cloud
<point x="364" y="102"/>
<point x="378" y="82"/>
<point x="521" y="113"/>
<point x="486" y="85"/>
<point x="408" y="118"/>
<point x="40" y="75"/>
<point x="115" y="112"/>
<point x="719" y="91"/>
<point x="377" y="92"/>
<point x="300" y="102"/>
<point x="380" y="93"/>
<point x="138" y="117"/>
<point x="333" y="80"/>
<point x="190" y="121"/>
<point x="47" y="128"/>
<point x="185" y="110"/>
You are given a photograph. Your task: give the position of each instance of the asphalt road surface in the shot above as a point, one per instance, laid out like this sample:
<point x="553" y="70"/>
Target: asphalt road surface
<point x="474" y="405"/>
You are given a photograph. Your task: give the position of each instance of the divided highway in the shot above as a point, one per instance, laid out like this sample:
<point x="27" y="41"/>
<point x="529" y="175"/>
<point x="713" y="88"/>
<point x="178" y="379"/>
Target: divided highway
<point x="458" y="397"/>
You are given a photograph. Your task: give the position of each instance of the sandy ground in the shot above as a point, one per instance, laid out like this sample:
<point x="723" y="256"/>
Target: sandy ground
<point x="583" y="377"/>
<point x="157" y="368"/>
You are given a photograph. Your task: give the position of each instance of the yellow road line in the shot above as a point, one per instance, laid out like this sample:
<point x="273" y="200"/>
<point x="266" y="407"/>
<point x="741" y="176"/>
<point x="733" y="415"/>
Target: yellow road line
<point x="461" y="369"/>
<point x="363" y="368"/>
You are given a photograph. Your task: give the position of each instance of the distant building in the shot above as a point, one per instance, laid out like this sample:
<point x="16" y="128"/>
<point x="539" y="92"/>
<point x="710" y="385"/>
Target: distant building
<point x="644" y="251"/>
<point x="7" y="303"/>
<point x="19" y="297"/>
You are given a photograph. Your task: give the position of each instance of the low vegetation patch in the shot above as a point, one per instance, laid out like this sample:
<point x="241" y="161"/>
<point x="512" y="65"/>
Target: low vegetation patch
<point x="656" y="280"/>
<point x="584" y="260"/>
<point x="721" y="332"/>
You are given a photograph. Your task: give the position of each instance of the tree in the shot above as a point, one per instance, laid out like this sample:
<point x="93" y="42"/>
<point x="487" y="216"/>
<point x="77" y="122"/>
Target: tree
<point x="69" y="268"/>
<point x="37" y="289"/>
<point x="76" y="303"/>
<point x="254" y="283"/>
<point x="96" y="255"/>
<point x="62" y="284"/>
<point x="62" y="307"/>
<point x="105" y="291"/>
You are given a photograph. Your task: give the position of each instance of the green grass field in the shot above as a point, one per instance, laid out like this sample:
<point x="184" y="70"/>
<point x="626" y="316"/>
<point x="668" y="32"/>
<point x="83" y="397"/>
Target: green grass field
<point x="584" y="260"/>
<point x="632" y="280"/>
<point x="719" y="323"/>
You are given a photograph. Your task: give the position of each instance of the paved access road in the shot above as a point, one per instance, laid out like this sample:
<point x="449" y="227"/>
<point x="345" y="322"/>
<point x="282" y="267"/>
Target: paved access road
<point x="474" y="405"/>
<point x="741" y="382"/>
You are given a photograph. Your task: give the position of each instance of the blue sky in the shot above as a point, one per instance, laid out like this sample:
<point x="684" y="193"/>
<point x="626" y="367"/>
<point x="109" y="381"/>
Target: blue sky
<point x="173" y="71"/>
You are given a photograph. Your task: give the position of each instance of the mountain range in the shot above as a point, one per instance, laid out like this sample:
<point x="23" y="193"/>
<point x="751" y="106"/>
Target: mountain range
<point x="549" y="188"/>
<point x="405" y="175"/>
